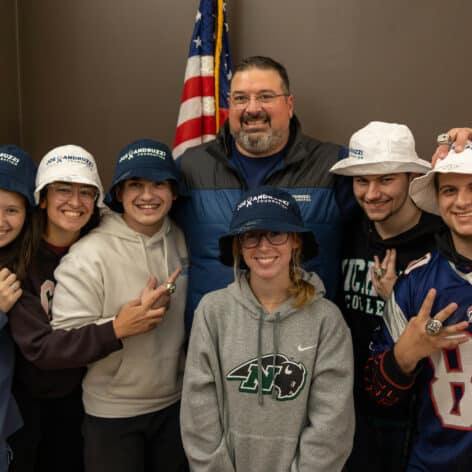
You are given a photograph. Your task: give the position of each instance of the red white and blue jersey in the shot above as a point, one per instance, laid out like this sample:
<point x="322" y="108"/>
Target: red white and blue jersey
<point x="444" y="381"/>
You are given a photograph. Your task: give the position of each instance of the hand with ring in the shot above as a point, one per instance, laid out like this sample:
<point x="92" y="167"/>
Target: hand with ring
<point x="10" y="289"/>
<point x="433" y="327"/>
<point x="425" y="335"/>
<point x="140" y="316"/>
<point x="384" y="274"/>
<point x="167" y="288"/>
<point x="171" y="287"/>
<point x="458" y="136"/>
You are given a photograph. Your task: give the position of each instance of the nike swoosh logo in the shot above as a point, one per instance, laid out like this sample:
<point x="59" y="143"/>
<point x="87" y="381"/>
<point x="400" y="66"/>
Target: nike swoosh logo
<point x="304" y="348"/>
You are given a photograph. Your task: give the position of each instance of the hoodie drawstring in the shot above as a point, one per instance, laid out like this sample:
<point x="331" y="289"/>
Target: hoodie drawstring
<point x="165" y="258"/>
<point x="276" y="344"/>
<point x="260" y="398"/>
<point x="165" y="255"/>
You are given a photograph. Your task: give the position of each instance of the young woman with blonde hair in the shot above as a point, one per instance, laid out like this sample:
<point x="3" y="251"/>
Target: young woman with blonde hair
<point x="268" y="380"/>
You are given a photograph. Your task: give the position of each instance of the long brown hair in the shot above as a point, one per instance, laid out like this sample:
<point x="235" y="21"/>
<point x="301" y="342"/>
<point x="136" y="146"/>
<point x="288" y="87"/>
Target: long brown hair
<point x="302" y="291"/>
<point x="34" y="234"/>
<point x="12" y="255"/>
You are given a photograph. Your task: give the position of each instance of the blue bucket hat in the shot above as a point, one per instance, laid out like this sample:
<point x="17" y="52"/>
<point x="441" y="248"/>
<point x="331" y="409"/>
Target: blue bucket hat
<point x="17" y="172"/>
<point x="144" y="159"/>
<point x="267" y="209"/>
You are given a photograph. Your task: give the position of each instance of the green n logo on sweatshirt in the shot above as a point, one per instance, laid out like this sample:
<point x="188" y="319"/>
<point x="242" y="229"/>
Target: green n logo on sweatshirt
<point x="278" y="373"/>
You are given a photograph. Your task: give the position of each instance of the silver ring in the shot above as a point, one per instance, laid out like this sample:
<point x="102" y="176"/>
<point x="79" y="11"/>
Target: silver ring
<point x="379" y="272"/>
<point x="171" y="287"/>
<point x="444" y="138"/>
<point x="433" y="327"/>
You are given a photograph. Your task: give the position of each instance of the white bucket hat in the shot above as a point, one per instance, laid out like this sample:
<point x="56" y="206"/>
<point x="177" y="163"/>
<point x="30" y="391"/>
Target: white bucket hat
<point x="422" y="189"/>
<point x="68" y="163"/>
<point x="381" y="148"/>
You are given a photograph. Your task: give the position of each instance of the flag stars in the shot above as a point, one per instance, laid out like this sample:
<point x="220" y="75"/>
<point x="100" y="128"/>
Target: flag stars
<point x="198" y="16"/>
<point x="198" y="42"/>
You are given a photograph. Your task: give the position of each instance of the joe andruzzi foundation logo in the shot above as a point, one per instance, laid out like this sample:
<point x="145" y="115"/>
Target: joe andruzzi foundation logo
<point x="9" y="159"/>
<point x="145" y="151"/>
<point x="70" y="159"/>
<point x="263" y="199"/>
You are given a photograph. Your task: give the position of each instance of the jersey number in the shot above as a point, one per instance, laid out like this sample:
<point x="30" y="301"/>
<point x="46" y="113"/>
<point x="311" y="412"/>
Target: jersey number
<point x="451" y="386"/>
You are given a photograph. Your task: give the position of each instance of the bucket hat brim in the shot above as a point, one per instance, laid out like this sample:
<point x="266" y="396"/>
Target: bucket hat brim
<point x="352" y="166"/>
<point x="309" y="247"/>
<point x="148" y="173"/>
<point x="422" y="189"/>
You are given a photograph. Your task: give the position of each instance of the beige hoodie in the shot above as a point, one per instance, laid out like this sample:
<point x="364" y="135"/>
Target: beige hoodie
<point x="103" y="271"/>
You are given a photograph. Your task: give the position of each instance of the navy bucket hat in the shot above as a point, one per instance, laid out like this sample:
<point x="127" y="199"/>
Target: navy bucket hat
<point x="17" y="172"/>
<point x="267" y="209"/>
<point x="143" y="159"/>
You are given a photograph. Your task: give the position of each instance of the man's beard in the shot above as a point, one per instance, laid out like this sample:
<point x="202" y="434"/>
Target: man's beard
<point x="255" y="142"/>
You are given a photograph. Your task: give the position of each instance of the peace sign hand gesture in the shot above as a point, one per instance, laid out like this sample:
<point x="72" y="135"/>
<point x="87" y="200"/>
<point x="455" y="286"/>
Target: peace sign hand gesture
<point x="417" y="342"/>
<point x="384" y="274"/>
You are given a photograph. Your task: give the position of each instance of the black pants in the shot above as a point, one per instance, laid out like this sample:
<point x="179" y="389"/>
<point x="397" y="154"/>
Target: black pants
<point x="379" y="445"/>
<point x="145" y="443"/>
<point x="51" y="438"/>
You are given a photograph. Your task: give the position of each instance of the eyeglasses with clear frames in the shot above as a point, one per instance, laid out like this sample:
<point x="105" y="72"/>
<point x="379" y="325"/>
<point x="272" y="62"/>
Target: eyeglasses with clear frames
<point x="64" y="191"/>
<point x="241" y="100"/>
<point x="252" y="239"/>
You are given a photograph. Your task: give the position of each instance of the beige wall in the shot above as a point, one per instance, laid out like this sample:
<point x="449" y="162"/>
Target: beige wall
<point x="103" y="72"/>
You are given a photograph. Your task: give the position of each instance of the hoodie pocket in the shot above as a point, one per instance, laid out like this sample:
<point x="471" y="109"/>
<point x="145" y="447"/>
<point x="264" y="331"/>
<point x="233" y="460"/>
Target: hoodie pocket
<point x="148" y="378"/>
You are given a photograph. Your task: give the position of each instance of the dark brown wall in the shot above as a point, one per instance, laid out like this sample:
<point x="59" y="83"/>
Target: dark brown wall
<point x="103" y="72"/>
<point x="9" y="104"/>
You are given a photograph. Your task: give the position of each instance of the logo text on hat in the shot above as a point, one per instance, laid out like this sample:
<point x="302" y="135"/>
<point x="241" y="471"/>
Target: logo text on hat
<point x="4" y="157"/>
<point x="358" y="153"/>
<point x="152" y="152"/>
<point x="263" y="199"/>
<point x="82" y="160"/>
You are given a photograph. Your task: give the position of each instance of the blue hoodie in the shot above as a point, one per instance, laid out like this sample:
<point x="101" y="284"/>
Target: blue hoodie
<point x="17" y="174"/>
<point x="10" y="419"/>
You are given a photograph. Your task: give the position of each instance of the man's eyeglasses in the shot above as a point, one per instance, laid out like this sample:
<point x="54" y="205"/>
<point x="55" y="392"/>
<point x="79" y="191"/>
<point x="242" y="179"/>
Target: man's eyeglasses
<point x="65" y="191"/>
<point x="241" y="101"/>
<point x="252" y="239"/>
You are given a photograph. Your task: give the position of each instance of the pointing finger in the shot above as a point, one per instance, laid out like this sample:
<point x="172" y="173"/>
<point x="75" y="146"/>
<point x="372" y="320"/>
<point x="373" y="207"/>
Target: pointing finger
<point x="173" y="277"/>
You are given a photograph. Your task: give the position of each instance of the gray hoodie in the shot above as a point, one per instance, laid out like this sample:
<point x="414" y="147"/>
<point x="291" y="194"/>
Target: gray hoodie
<point x="103" y="271"/>
<point x="267" y="392"/>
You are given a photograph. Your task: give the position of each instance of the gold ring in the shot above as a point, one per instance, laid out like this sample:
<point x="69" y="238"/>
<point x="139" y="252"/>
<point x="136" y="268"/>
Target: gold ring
<point x="379" y="272"/>
<point x="444" y="138"/>
<point x="171" y="287"/>
<point x="433" y="327"/>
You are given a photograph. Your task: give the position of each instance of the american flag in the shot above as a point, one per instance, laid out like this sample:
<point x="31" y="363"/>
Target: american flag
<point x="204" y="103"/>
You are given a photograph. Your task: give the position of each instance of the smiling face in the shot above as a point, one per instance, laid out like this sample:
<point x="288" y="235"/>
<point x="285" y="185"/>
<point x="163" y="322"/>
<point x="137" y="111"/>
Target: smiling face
<point x="270" y="262"/>
<point x="12" y="216"/>
<point x="69" y="207"/>
<point x="259" y="129"/>
<point x="145" y="204"/>
<point x="455" y="205"/>
<point x="382" y="196"/>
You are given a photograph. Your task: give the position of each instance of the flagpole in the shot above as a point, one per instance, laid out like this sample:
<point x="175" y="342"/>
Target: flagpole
<point x="218" y="47"/>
